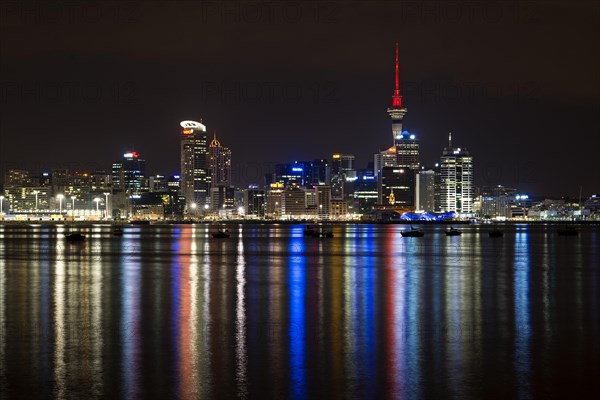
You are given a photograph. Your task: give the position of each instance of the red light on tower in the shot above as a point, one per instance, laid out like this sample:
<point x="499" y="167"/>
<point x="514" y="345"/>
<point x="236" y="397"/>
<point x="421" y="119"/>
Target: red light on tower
<point x="397" y="98"/>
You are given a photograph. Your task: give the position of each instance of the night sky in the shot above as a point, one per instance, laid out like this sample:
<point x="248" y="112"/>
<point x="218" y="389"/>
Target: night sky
<point x="518" y="84"/>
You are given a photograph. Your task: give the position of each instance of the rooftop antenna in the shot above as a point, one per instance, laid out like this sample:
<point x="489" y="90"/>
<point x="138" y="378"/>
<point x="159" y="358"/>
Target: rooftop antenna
<point x="450" y="139"/>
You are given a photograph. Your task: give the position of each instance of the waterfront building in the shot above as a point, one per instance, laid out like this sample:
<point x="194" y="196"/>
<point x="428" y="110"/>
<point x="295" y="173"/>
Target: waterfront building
<point x="254" y="202"/>
<point x="456" y="169"/>
<point x="323" y="201"/>
<point x="385" y="158"/>
<point x="342" y="175"/>
<point x="219" y="164"/>
<point x="496" y="201"/>
<point x="396" y="187"/>
<point x="365" y="191"/>
<point x="407" y="151"/>
<point x="195" y="176"/>
<point x="274" y="208"/>
<point x="129" y="173"/>
<point x="425" y="191"/>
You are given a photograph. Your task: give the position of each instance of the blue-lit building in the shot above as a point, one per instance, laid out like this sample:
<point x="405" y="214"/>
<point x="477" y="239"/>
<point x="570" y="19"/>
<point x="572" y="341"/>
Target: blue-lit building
<point x="295" y="173"/>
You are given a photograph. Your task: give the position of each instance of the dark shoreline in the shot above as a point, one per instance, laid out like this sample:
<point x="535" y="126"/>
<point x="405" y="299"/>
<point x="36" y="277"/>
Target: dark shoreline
<point x="287" y="222"/>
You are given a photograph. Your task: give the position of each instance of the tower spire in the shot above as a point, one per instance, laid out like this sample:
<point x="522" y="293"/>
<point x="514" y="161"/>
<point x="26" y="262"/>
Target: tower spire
<point x="397" y="98"/>
<point x="450" y="139"/>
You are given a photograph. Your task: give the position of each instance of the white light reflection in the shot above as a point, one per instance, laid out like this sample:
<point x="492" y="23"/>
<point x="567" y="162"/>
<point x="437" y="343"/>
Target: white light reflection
<point x="59" y="325"/>
<point x="205" y="352"/>
<point x="130" y="329"/>
<point x="96" y="324"/>
<point x="2" y="312"/>
<point x="193" y="315"/>
<point x="241" y="354"/>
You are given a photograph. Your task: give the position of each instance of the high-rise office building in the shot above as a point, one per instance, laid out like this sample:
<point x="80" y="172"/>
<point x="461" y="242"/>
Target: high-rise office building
<point x="219" y="164"/>
<point x="342" y="175"/>
<point x="396" y="187"/>
<point x="425" y="191"/>
<point x="255" y="202"/>
<point x="128" y="174"/>
<point x="385" y="158"/>
<point x="288" y="174"/>
<point x="456" y="168"/>
<point x="365" y="191"/>
<point x="195" y="177"/>
<point x="407" y="151"/>
<point x="323" y="201"/>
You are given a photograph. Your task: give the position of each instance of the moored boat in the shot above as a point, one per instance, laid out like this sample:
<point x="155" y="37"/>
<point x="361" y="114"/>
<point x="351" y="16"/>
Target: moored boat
<point x="221" y="234"/>
<point x="412" y="233"/>
<point x="75" y="237"/>
<point x="453" y="232"/>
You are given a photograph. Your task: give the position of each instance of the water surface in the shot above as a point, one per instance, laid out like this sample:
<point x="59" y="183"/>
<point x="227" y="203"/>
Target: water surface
<point x="170" y="312"/>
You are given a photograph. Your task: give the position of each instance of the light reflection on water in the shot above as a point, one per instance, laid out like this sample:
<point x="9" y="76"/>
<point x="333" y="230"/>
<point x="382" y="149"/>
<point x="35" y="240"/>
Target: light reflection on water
<point x="167" y="311"/>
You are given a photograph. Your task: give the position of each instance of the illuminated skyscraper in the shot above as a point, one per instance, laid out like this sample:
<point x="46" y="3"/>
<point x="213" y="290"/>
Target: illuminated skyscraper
<point x="128" y="174"/>
<point x="407" y="151"/>
<point x="219" y="164"/>
<point x="195" y="177"/>
<point x="343" y="174"/>
<point x="396" y="187"/>
<point x="456" y="180"/>
<point x="425" y="191"/>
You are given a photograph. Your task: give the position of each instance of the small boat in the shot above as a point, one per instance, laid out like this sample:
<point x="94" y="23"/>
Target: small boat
<point x="118" y="232"/>
<point x="221" y="234"/>
<point x="412" y="233"/>
<point x="568" y="231"/>
<point x="453" y="232"/>
<point x="495" y="233"/>
<point x="75" y="237"/>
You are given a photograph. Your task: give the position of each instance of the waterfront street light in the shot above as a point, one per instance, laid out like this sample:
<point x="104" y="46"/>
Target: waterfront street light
<point x="97" y="200"/>
<point x="1" y="200"/>
<point x="73" y="205"/>
<point x="60" y="198"/>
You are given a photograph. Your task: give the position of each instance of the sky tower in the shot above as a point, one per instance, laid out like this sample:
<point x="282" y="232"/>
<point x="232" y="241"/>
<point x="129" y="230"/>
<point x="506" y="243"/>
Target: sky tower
<point x="396" y="111"/>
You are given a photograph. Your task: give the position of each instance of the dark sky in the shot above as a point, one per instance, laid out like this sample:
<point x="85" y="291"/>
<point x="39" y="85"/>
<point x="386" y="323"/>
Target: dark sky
<point x="517" y="83"/>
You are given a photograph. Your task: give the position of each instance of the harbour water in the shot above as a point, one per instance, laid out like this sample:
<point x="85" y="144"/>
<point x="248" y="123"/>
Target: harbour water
<point x="169" y="312"/>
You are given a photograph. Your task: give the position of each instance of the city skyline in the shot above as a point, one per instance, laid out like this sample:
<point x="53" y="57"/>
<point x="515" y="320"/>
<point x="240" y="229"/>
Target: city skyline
<point x="503" y="89"/>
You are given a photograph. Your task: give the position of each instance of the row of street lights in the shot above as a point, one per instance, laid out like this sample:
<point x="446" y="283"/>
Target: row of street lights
<point x="97" y="200"/>
<point x="60" y="198"/>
